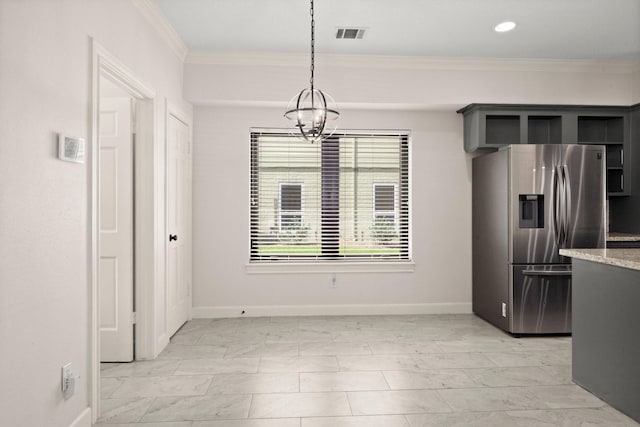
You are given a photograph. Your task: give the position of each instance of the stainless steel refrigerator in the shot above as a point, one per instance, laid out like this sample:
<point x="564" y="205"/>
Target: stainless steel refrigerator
<point x="528" y="202"/>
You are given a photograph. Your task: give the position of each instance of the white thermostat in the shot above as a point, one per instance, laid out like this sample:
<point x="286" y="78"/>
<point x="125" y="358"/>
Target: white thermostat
<point x="70" y="149"/>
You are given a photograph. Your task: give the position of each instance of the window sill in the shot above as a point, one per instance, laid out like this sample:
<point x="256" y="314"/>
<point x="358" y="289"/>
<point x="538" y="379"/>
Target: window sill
<point x="284" y="267"/>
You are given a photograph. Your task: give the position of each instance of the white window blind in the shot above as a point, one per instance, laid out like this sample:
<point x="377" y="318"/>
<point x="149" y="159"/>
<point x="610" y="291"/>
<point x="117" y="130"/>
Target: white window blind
<point x="346" y="197"/>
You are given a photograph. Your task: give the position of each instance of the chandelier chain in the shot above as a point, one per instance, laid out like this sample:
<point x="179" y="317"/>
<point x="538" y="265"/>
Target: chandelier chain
<point x="313" y="42"/>
<point x="309" y="109"/>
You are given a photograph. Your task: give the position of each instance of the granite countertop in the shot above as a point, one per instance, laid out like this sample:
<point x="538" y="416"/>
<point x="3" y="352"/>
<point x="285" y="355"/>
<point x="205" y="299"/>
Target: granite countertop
<point x="622" y="237"/>
<point x="626" y="258"/>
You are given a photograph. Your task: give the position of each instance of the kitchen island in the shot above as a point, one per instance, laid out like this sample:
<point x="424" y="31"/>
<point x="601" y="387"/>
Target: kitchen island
<point x="606" y="325"/>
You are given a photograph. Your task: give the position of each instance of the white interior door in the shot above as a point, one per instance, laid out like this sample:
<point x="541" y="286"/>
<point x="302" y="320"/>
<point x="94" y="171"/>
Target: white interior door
<point x="179" y="223"/>
<point x="116" y="230"/>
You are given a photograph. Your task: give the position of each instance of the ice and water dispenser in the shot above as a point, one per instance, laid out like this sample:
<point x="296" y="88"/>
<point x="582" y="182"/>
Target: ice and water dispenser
<point x="531" y="210"/>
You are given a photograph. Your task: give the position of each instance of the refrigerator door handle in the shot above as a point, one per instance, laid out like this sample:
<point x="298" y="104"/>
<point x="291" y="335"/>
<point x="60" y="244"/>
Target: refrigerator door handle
<point x="562" y="220"/>
<point x="546" y="273"/>
<point x="566" y="204"/>
<point x="556" y="205"/>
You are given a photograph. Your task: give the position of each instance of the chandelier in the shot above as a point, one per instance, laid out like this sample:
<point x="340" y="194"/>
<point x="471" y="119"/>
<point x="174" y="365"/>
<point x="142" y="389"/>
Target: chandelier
<point x="311" y="108"/>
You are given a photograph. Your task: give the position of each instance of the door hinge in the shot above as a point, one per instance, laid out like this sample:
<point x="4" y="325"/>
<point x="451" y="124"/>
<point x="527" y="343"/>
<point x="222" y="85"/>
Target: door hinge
<point x="133" y="318"/>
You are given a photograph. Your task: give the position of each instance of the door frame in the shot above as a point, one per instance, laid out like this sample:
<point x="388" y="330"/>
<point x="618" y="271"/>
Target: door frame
<point x="173" y="110"/>
<point x="148" y="203"/>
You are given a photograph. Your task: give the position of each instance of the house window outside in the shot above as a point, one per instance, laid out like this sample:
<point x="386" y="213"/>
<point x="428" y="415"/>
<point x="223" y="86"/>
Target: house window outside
<point x="315" y="201"/>
<point x="384" y="227"/>
<point x="290" y="222"/>
<point x="384" y="201"/>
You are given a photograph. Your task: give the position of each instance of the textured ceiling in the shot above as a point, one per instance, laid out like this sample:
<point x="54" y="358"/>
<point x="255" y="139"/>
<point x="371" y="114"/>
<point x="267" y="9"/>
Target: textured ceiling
<point x="553" y="29"/>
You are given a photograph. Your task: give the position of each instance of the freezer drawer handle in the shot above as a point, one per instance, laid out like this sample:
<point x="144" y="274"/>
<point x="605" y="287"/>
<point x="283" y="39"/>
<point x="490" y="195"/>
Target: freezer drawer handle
<point x="546" y="273"/>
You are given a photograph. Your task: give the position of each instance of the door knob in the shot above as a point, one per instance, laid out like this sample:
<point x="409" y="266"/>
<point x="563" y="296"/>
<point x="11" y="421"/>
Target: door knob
<point x="173" y="237"/>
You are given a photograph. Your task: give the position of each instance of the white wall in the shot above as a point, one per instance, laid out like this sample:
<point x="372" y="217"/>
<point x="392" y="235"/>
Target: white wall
<point x="235" y="93"/>
<point x="45" y="88"/>
<point x="441" y="227"/>
<point x="414" y="83"/>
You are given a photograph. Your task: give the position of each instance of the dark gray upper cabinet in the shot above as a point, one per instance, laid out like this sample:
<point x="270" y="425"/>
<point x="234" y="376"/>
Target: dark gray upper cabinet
<point x="624" y="212"/>
<point x="488" y="127"/>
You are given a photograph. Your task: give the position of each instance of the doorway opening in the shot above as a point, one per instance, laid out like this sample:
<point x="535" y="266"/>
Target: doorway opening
<point x="123" y="219"/>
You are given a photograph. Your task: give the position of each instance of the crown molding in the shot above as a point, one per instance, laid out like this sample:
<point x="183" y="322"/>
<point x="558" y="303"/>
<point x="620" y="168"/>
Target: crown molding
<point x="249" y="58"/>
<point x="371" y="106"/>
<point x="491" y="64"/>
<point x="157" y="19"/>
<point x="424" y="63"/>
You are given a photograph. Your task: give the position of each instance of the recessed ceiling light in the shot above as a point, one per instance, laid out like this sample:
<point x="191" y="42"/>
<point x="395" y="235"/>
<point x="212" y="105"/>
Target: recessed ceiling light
<point x="503" y="27"/>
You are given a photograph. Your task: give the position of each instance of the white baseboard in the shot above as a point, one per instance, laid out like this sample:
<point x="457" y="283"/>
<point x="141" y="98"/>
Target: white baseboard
<point x="83" y="420"/>
<point x="328" y="310"/>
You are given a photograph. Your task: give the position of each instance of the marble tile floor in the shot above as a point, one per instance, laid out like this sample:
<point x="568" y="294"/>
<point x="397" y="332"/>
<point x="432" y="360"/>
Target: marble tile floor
<point x="351" y="371"/>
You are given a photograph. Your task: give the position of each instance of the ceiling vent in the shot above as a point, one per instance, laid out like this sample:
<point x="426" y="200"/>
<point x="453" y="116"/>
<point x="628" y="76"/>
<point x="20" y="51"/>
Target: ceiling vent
<point x="350" y="33"/>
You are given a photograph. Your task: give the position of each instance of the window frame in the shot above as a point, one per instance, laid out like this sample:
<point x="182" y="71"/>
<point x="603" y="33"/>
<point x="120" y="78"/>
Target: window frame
<point x="334" y="261"/>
